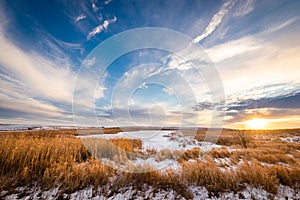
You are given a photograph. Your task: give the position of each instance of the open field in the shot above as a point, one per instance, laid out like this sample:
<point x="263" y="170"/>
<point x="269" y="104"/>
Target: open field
<point x="54" y="164"/>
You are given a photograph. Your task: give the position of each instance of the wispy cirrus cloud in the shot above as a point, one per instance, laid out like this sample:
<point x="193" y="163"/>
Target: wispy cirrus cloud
<point x="253" y="43"/>
<point x="35" y="86"/>
<point x="271" y="91"/>
<point x="48" y="80"/>
<point x="80" y="17"/>
<point x="280" y="25"/>
<point x="244" y="7"/>
<point x="253" y="60"/>
<point x="233" y="48"/>
<point x="89" y="62"/>
<point x="101" y="28"/>
<point x="215" y="22"/>
<point x="30" y="84"/>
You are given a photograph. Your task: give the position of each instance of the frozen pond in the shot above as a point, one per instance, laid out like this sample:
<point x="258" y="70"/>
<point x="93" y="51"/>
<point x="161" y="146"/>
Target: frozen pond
<point x="157" y="139"/>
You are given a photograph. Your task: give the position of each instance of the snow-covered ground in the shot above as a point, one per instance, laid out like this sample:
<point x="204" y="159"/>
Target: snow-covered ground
<point x="226" y="164"/>
<point x="291" y="139"/>
<point x="159" y="140"/>
<point x="149" y="192"/>
<point x="141" y="165"/>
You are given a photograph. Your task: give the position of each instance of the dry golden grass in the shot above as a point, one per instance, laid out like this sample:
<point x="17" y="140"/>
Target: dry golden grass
<point x="208" y="175"/>
<point x="257" y="176"/>
<point x="111" y="130"/>
<point x="167" y="180"/>
<point x="129" y="145"/>
<point x="39" y="133"/>
<point x="62" y="161"/>
<point x="57" y="159"/>
<point x="190" y="154"/>
<point x="261" y="155"/>
<point x="117" y="149"/>
<point x="71" y="177"/>
<point x="26" y="158"/>
<point x="287" y="176"/>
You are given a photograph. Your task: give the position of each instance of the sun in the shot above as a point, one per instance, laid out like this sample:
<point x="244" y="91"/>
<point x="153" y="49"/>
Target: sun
<point x="256" y="123"/>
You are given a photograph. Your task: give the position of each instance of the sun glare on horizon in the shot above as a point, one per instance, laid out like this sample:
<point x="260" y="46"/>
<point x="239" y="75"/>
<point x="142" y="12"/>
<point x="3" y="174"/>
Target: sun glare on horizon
<point x="256" y="123"/>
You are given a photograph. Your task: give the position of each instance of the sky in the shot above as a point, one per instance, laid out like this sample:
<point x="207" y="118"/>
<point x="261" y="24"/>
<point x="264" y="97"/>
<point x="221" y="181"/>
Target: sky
<point x="50" y="56"/>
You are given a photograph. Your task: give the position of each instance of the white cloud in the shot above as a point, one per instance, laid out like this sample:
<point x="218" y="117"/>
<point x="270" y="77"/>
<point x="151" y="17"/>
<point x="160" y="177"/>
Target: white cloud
<point x="99" y="92"/>
<point x="107" y="2"/>
<point x="233" y="48"/>
<point x="254" y="61"/>
<point x="244" y="7"/>
<point x="184" y="85"/>
<point x="268" y="91"/>
<point x="215" y="22"/>
<point x="280" y="26"/>
<point x="80" y="17"/>
<point x="36" y="86"/>
<point x="30" y="106"/>
<point x="43" y="77"/>
<point x="143" y="86"/>
<point x="29" y="82"/>
<point x="100" y="28"/>
<point x="95" y="8"/>
<point x="89" y="62"/>
<point x="100" y="88"/>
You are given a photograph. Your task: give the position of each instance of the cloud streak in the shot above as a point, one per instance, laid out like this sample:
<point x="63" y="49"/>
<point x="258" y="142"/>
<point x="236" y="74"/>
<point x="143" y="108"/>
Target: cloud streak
<point x="32" y="85"/>
<point x="101" y="28"/>
<point x="80" y="17"/>
<point x="234" y="48"/>
<point x="244" y="7"/>
<point x="214" y="23"/>
<point x="280" y="26"/>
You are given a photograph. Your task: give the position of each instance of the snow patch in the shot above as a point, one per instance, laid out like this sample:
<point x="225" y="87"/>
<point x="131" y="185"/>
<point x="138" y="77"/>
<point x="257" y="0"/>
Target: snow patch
<point x="148" y="192"/>
<point x="295" y="139"/>
<point x="159" y="140"/>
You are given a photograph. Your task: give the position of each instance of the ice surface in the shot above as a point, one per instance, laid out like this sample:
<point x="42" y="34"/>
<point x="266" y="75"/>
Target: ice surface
<point x="172" y="140"/>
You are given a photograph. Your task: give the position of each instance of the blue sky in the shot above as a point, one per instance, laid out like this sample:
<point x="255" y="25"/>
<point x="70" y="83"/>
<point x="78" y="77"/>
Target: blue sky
<point x="254" y="45"/>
